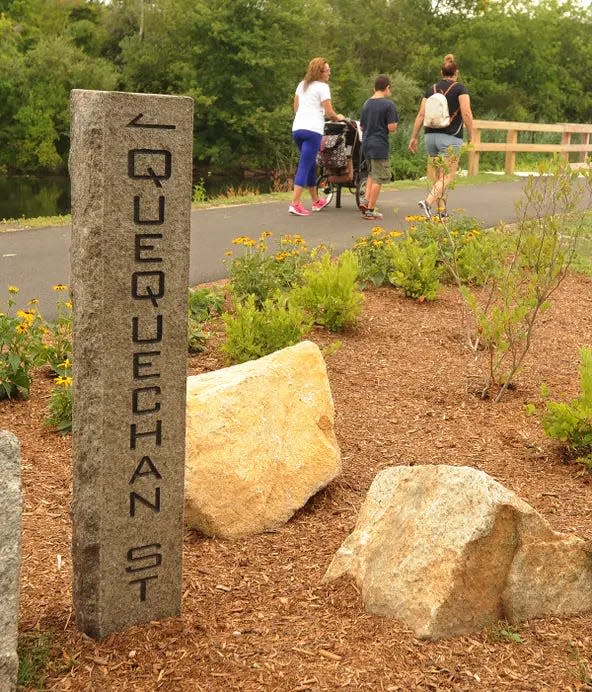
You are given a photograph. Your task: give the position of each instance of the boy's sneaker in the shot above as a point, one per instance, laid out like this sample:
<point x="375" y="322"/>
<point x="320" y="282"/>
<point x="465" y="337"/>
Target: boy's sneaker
<point x="319" y="204"/>
<point x="425" y="208"/>
<point x="298" y="210"/>
<point x="372" y="215"/>
<point x="363" y="205"/>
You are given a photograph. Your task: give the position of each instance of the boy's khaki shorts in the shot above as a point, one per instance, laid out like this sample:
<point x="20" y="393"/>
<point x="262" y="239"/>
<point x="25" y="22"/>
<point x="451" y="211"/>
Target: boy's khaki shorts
<point x="380" y="170"/>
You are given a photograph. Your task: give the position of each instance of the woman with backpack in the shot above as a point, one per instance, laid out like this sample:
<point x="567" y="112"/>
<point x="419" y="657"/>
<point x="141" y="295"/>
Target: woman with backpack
<point x="444" y="110"/>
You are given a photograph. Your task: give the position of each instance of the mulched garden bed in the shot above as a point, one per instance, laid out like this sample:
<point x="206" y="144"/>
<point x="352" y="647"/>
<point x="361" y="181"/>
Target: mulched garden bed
<point x="255" y="615"/>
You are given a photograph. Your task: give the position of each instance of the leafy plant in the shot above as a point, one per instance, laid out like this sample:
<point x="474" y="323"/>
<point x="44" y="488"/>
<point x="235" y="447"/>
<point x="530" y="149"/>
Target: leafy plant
<point x="504" y="631"/>
<point x="374" y="260"/>
<point x="199" y="192"/>
<point x="58" y="335"/>
<point x="21" y="347"/>
<point x="571" y="422"/>
<point x="205" y="303"/>
<point x="197" y="336"/>
<point x="539" y="256"/>
<point x="252" y="332"/>
<point x="260" y="272"/>
<point x="415" y="268"/>
<point x="60" y="400"/>
<point x="330" y="293"/>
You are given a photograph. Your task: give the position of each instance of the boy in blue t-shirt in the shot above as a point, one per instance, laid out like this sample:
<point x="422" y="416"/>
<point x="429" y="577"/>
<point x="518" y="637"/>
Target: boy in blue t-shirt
<point x="378" y="119"/>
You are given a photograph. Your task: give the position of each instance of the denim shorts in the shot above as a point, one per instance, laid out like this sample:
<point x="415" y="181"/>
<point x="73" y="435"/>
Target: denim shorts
<point x="438" y="143"/>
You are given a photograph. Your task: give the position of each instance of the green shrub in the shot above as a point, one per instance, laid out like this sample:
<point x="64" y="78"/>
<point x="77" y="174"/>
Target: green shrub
<point x="260" y="272"/>
<point x="58" y="336"/>
<point x="21" y="347"/>
<point x="330" y="293"/>
<point x="374" y="260"/>
<point x="204" y="303"/>
<point x="252" y="332"/>
<point x="197" y="336"/>
<point x="415" y="269"/>
<point x="480" y="256"/>
<point x="571" y="422"/>
<point x="60" y="400"/>
<point x="539" y="257"/>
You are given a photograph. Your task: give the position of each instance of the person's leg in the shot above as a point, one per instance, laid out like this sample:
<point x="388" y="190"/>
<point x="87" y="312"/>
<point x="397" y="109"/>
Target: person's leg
<point x="444" y="176"/>
<point x="309" y="144"/>
<point x="372" y="192"/>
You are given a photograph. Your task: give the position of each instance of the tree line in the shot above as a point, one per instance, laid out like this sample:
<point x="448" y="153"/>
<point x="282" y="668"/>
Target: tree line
<point x="240" y="60"/>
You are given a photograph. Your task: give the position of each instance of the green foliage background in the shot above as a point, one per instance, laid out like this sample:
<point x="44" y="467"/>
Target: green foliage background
<point x="241" y="60"/>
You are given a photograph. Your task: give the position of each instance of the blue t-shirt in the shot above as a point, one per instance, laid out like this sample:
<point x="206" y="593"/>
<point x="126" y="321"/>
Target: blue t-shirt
<point x="377" y="114"/>
<point x="456" y="124"/>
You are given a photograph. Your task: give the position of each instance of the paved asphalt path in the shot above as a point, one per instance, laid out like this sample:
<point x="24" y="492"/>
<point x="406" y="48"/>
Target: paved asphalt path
<point x="35" y="260"/>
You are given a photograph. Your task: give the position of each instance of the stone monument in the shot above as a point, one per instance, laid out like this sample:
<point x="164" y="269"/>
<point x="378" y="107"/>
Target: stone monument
<point x="130" y="169"/>
<point x="11" y="513"/>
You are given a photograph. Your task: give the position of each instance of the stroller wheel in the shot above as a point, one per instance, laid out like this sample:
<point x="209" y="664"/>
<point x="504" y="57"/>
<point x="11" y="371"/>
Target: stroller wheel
<point x="325" y="189"/>
<point x="361" y="189"/>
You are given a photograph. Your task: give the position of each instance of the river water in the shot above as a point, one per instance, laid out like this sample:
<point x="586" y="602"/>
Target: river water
<point x="31" y="197"/>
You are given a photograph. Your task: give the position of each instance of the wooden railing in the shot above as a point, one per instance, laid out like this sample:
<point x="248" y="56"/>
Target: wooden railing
<point x="511" y="146"/>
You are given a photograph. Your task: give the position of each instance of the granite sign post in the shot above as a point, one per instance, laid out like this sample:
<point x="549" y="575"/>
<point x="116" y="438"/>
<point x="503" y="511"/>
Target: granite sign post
<point x="11" y="526"/>
<point x="130" y="169"/>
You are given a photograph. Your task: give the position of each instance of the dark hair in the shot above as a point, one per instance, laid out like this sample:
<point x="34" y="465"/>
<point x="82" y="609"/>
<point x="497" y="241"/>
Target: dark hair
<point x="382" y="82"/>
<point x="449" y="66"/>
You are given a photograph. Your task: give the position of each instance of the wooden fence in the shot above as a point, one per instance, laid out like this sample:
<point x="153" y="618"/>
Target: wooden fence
<point x="511" y="146"/>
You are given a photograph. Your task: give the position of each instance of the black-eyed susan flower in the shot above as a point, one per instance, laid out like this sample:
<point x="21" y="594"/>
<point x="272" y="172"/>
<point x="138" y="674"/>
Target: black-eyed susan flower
<point x="13" y="289"/>
<point x="60" y="287"/>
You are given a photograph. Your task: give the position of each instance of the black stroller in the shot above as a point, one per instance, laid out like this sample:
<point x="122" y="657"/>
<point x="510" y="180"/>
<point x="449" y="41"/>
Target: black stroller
<point x="341" y="162"/>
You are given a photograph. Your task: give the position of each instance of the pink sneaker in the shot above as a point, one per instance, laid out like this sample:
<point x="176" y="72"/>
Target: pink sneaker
<point x="298" y="210"/>
<point x="319" y="204"/>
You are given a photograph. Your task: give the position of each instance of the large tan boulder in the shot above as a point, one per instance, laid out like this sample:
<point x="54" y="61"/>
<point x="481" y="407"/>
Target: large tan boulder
<point x="448" y="550"/>
<point x="260" y="442"/>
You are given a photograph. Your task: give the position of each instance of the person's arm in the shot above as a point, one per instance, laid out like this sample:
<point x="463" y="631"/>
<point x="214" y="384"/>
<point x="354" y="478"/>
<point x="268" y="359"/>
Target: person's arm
<point x="329" y="112"/>
<point x="392" y="127"/>
<point x="296" y="102"/>
<point x="464" y="101"/>
<point x="417" y="127"/>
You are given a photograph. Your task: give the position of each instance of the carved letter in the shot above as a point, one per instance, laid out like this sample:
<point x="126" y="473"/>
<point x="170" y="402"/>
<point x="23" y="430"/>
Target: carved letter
<point x="139" y="472"/>
<point x="155" y="505"/>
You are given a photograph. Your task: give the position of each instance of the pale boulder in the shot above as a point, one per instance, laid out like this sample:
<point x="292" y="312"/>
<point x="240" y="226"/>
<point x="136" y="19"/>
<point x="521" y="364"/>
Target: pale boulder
<point x="448" y="550"/>
<point x="260" y="442"/>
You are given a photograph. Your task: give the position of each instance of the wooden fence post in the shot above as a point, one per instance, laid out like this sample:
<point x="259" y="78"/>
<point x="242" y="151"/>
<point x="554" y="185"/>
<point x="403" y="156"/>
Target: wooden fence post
<point x="474" y="155"/>
<point x="510" y="162"/>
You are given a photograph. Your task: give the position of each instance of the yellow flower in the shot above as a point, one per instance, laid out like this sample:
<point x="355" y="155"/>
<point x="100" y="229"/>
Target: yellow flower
<point x="68" y="304"/>
<point x="265" y="234"/>
<point x="13" y="289"/>
<point x="33" y="301"/>
<point x="26" y="316"/>
<point x="66" y="364"/>
<point x="249" y="242"/>
<point x="415" y="217"/>
<point x="60" y="287"/>
<point x="21" y="328"/>
<point x="377" y="230"/>
<point x="395" y="234"/>
<point x="228" y="253"/>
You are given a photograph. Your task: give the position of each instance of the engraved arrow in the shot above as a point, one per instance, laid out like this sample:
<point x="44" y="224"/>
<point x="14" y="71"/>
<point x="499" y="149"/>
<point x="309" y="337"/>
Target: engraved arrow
<point x="135" y="122"/>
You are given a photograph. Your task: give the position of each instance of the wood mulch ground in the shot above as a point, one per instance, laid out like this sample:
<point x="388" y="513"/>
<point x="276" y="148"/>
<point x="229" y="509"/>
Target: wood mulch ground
<point x="255" y="615"/>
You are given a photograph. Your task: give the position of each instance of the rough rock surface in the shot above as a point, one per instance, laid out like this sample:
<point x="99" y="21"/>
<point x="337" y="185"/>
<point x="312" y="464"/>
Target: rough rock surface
<point x="11" y="521"/>
<point x="260" y="442"/>
<point x="448" y="550"/>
